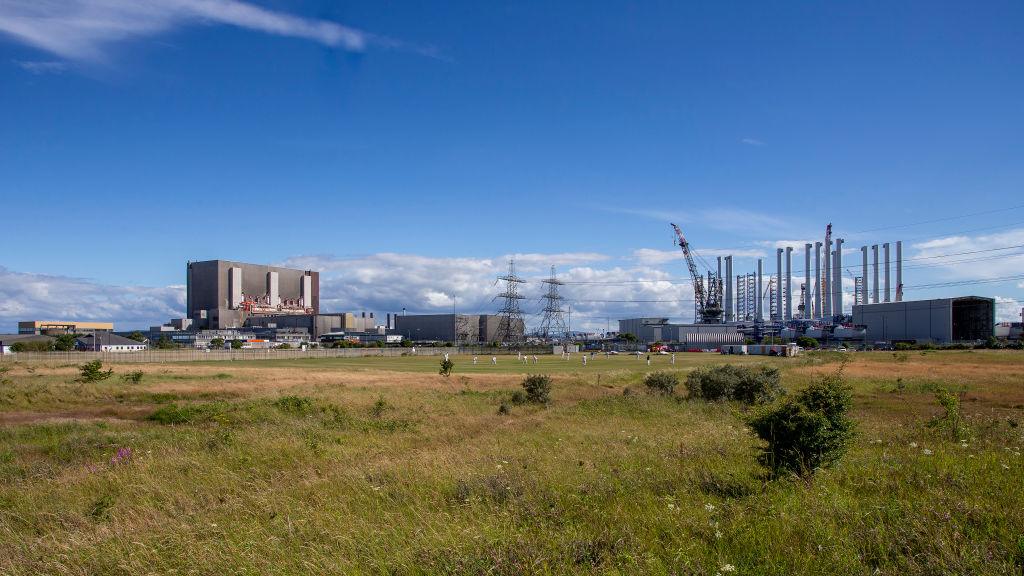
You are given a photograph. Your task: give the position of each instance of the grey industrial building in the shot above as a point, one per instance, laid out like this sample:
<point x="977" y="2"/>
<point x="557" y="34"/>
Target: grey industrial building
<point x="649" y="330"/>
<point x="939" y="321"/>
<point x="317" y="324"/>
<point x="223" y="294"/>
<point x="462" y="328"/>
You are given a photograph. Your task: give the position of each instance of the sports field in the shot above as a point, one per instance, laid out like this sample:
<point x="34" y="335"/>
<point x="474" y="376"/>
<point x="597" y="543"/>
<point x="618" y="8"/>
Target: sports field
<point x="381" y="466"/>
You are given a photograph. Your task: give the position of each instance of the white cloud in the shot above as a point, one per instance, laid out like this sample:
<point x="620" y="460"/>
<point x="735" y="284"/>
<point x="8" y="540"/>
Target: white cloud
<point x="652" y="256"/>
<point x="29" y="296"/>
<point x="984" y="261"/>
<point x="752" y="142"/>
<point x="1008" y="309"/>
<point x="83" y="29"/>
<point x="40" y="67"/>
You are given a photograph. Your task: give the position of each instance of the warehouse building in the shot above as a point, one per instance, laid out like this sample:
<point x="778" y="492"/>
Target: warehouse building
<point x="703" y="336"/>
<point x="462" y="328"/>
<point x="317" y="324"/>
<point x="938" y="321"/>
<point x="223" y="294"/>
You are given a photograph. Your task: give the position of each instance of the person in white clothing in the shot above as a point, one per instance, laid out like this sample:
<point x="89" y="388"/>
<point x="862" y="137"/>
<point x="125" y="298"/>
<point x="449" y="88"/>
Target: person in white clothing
<point x="673" y="358"/>
<point x="494" y="359"/>
<point x="535" y="359"/>
<point x="584" y="359"/>
<point x="474" y="360"/>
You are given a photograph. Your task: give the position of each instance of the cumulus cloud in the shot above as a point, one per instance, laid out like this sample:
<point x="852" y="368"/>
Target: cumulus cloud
<point x="1008" y="309"/>
<point x="29" y="296"/>
<point x="960" y="257"/>
<point x="388" y="282"/>
<point x="83" y="30"/>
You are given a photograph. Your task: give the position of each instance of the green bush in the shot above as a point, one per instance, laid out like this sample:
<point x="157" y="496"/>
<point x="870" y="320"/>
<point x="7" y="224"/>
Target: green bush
<point x="538" y="388"/>
<point x="661" y="382"/>
<point x="953" y="420"/>
<point x="174" y="414"/>
<point x="65" y="342"/>
<point x="32" y="346"/>
<point x="807" y="432"/>
<point x="748" y="384"/>
<point x="518" y="397"/>
<point x="94" y="372"/>
<point x="294" y="404"/>
<point x="446" y="367"/>
<point x="236" y="344"/>
<point x="132" y="377"/>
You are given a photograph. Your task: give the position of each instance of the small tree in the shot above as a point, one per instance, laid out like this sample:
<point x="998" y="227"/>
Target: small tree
<point x="809" y="431"/>
<point x="32" y="346"/>
<point x="137" y="336"/>
<point x="538" y="388"/>
<point x="65" y="342"/>
<point x="217" y="343"/>
<point x="807" y="342"/>
<point x="627" y="337"/>
<point x="661" y="382"/>
<point x="446" y="367"/>
<point x="94" y="372"/>
<point x="284" y="346"/>
<point x="165" y="343"/>
<point x="236" y="344"/>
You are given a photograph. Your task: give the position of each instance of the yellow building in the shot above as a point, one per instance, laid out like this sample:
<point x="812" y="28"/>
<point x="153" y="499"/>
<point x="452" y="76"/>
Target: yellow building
<point x="51" y="327"/>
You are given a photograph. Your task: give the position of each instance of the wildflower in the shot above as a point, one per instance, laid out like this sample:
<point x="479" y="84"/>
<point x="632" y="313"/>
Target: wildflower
<point x="926" y="452"/>
<point x="728" y="568"/>
<point x="913" y="444"/>
<point x="1005" y="467"/>
<point x="671" y="506"/>
<point x="718" y="534"/>
<point x="122" y="457"/>
<point x="963" y="444"/>
<point x="709" y="507"/>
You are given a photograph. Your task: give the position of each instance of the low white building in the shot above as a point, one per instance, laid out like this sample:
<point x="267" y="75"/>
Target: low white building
<point x="107" y="342"/>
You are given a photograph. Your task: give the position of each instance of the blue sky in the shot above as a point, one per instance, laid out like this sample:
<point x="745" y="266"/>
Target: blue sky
<point x="406" y="148"/>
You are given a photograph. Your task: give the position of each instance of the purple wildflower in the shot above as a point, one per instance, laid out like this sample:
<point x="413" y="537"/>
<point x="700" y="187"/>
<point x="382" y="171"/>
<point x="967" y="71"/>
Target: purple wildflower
<point x="122" y="457"/>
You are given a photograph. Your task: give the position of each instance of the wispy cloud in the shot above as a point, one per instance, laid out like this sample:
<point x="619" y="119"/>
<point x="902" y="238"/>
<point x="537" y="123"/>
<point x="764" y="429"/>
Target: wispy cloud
<point x="83" y="30"/>
<point x="752" y="142"/>
<point x="38" y="68"/>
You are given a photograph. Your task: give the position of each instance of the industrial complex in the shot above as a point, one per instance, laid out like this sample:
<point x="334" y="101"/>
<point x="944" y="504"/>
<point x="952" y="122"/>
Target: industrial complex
<point x="231" y="303"/>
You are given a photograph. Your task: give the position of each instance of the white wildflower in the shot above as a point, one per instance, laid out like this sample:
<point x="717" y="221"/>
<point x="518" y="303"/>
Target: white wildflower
<point x="926" y="452"/>
<point x="1005" y="467"/>
<point x="728" y="568"/>
<point x="709" y="507"/>
<point x="963" y="444"/>
<point x="913" y="444"/>
<point x="718" y="534"/>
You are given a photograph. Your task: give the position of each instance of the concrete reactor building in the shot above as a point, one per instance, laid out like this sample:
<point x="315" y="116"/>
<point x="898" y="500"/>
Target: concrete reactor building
<point x="222" y="294"/>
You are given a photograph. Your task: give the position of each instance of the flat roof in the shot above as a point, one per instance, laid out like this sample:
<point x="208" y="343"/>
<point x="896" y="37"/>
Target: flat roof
<point x="62" y="323"/>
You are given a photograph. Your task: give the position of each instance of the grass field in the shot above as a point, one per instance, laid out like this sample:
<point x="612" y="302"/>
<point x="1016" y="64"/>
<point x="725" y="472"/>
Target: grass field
<point x="381" y="466"/>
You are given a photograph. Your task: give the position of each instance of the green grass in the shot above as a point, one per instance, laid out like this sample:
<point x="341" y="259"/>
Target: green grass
<point x="380" y="466"/>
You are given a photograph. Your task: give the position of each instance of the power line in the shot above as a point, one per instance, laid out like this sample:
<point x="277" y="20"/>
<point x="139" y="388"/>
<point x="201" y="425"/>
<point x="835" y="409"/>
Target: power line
<point x="959" y="217"/>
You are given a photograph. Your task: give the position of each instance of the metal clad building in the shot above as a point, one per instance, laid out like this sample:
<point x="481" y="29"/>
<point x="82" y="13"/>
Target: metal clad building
<point x="941" y="320"/>
<point x="648" y="330"/>
<point x="470" y="328"/>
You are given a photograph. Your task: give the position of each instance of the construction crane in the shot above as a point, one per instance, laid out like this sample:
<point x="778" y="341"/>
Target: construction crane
<point x="709" y="302"/>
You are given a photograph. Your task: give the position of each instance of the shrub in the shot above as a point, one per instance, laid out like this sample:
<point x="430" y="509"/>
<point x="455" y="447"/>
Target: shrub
<point x="952" y="420"/>
<point x="379" y="407"/>
<point x="748" y="384"/>
<point x="65" y="342"/>
<point x="809" y="431"/>
<point x="217" y="343"/>
<point x="504" y="409"/>
<point x="174" y="414"/>
<point x="294" y="404"/>
<point x="236" y="344"/>
<point x="807" y="342"/>
<point x="538" y="388"/>
<point x="132" y="377"/>
<point x="32" y="346"/>
<point x="661" y="382"/>
<point x="446" y="367"/>
<point x="93" y="372"/>
<point x="518" y="397"/>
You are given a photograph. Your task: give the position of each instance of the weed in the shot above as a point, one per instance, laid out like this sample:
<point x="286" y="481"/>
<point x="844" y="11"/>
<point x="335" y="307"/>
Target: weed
<point x="504" y="409"/>
<point x="952" y="420"/>
<point x="446" y="367"/>
<point x="517" y="397"/>
<point x="380" y="407"/>
<point x="300" y="405"/>
<point x="134" y="377"/>
<point x="100" y="508"/>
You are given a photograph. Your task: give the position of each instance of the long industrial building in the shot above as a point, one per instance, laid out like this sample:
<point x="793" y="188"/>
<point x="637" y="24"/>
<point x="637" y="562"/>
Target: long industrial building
<point x="649" y="330"/>
<point x="938" y="321"/>
<point x="462" y="328"/>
